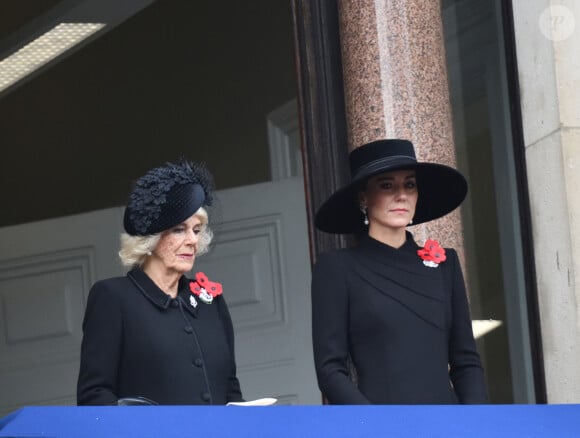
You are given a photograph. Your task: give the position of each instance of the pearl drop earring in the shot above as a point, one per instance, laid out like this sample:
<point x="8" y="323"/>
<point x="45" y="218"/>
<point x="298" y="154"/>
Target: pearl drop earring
<point x="364" y="212"/>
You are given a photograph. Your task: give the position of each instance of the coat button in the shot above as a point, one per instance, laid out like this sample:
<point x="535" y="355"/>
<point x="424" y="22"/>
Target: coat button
<point x="188" y="329"/>
<point x="198" y="362"/>
<point x="174" y="303"/>
<point x="205" y="396"/>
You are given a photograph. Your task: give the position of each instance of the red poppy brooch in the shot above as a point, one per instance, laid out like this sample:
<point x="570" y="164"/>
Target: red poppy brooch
<point x="432" y="254"/>
<point x="204" y="289"/>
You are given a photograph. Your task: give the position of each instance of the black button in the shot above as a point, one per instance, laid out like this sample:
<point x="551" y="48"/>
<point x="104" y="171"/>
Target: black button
<point x="198" y="362"/>
<point x="188" y="329"/>
<point x="205" y="396"/>
<point x="174" y="303"/>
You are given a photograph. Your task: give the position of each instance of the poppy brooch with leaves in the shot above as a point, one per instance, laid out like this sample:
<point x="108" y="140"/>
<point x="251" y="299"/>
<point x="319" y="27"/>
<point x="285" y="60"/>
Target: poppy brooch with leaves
<point x="432" y="254"/>
<point x="204" y="289"/>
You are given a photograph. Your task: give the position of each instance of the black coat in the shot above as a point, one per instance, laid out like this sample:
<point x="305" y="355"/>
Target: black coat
<point x="138" y="341"/>
<point x="406" y="327"/>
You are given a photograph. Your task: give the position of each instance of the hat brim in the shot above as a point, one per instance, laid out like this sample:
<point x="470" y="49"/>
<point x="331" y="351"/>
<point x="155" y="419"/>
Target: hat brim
<point x="441" y="190"/>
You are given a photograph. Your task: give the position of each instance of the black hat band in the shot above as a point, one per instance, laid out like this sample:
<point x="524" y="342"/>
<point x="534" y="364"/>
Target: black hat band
<point x="385" y="164"/>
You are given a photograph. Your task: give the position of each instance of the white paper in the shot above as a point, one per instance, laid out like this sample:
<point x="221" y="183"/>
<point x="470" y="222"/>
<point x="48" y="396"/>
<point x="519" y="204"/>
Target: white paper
<point x="266" y="401"/>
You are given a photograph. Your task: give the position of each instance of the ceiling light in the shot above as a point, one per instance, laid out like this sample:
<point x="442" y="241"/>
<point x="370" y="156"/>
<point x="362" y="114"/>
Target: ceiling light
<point x="43" y="49"/>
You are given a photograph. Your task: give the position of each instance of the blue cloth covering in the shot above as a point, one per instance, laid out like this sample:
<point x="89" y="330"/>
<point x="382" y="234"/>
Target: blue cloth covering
<point x="295" y="421"/>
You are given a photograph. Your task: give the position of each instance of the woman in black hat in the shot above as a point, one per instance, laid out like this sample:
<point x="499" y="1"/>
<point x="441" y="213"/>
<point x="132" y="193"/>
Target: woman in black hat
<point x="156" y="336"/>
<point x="397" y="311"/>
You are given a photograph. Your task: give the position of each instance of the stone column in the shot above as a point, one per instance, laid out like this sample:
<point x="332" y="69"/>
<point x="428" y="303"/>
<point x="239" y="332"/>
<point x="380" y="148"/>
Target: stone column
<point x="547" y="42"/>
<point x="395" y="80"/>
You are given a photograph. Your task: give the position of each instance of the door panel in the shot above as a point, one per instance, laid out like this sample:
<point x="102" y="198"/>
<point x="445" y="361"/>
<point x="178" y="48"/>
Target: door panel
<point x="261" y="257"/>
<point x="46" y="270"/>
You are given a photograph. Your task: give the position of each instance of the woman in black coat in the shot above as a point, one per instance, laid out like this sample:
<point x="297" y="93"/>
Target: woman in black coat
<point x="397" y="311"/>
<point x="155" y="335"/>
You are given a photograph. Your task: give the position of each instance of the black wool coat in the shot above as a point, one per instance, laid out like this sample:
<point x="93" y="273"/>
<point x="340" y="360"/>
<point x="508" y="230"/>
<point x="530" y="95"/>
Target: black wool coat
<point x="405" y="326"/>
<point x="139" y="342"/>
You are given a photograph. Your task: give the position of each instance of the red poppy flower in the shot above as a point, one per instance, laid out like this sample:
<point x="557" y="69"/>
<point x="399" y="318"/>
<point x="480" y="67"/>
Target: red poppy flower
<point x="202" y="282"/>
<point x="201" y="279"/>
<point x="432" y="253"/>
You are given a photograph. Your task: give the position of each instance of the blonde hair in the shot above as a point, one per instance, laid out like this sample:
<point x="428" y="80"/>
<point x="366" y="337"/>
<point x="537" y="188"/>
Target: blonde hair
<point x="135" y="249"/>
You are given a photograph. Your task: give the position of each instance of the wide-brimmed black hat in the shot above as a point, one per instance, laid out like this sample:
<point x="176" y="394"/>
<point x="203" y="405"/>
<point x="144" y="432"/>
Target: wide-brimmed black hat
<point x="441" y="188"/>
<point x="166" y="196"/>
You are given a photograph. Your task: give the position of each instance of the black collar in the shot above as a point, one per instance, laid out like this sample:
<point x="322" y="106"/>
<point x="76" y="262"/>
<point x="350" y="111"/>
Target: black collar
<point x="159" y="298"/>
<point x="405" y="257"/>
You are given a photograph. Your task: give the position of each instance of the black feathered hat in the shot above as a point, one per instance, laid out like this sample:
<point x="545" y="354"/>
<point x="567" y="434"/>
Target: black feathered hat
<point x="441" y="188"/>
<point x="166" y="196"/>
